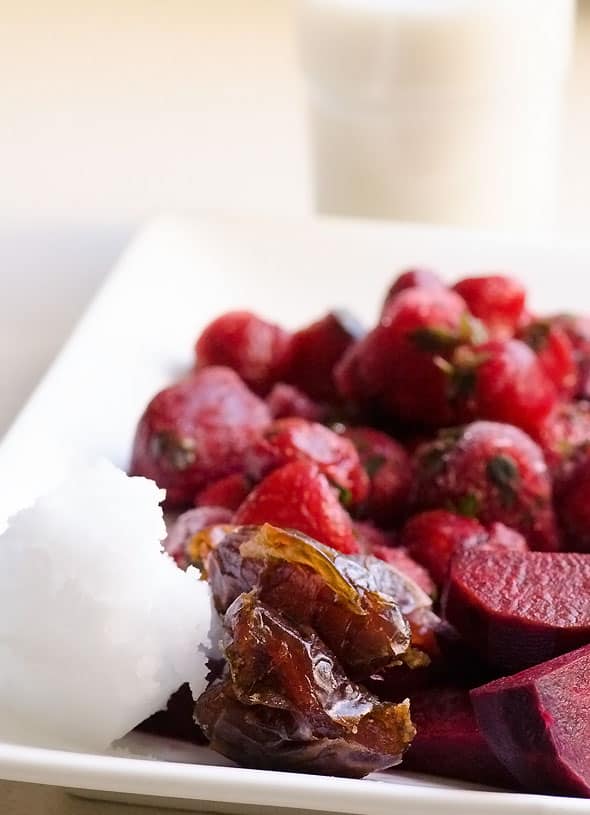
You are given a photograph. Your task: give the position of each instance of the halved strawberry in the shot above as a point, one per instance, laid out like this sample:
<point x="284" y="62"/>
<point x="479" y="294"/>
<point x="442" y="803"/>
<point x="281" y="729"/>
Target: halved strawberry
<point x="296" y="439"/>
<point x="298" y="496"/>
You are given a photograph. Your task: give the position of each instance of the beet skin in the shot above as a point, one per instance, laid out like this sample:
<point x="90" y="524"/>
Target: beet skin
<point x="538" y="724"/>
<point x="518" y="609"/>
<point x="448" y="741"/>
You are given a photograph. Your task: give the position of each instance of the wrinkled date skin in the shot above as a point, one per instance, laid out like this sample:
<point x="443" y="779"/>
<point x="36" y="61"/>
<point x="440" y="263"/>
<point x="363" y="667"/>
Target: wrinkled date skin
<point x="285" y="703"/>
<point x="312" y="585"/>
<point x="414" y="603"/>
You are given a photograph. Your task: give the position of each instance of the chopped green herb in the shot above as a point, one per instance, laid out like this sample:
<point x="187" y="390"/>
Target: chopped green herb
<point x="503" y="472"/>
<point x="374" y="464"/>
<point x="345" y="496"/>
<point x="467" y="505"/>
<point x="435" y="340"/>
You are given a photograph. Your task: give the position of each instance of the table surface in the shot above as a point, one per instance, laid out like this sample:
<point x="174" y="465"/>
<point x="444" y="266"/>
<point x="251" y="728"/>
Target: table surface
<point x="115" y="111"/>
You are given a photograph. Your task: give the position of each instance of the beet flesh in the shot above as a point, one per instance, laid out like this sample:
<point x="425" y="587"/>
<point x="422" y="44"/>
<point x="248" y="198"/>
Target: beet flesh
<point x="448" y="741"/>
<point x="518" y="609"/>
<point x="538" y="724"/>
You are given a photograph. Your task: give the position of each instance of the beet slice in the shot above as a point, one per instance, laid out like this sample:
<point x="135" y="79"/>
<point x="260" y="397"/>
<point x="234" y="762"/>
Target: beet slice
<point x="518" y="609"/>
<point x="448" y="741"/>
<point x="538" y="723"/>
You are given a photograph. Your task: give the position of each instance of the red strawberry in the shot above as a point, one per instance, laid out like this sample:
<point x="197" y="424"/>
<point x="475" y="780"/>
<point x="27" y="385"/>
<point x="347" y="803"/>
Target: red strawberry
<point x="371" y="537"/>
<point x="390" y="472"/>
<point x="565" y="437"/>
<point x="196" y="431"/>
<point x="577" y="328"/>
<point x="434" y="538"/>
<point x="285" y="401"/>
<point x="503" y="382"/>
<point x="244" y="342"/>
<point x="296" y="439"/>
<point x="555" y="352"/>
<point x="400" y="559"/>
<point x="497" y="300"/>
<point x="503" y="536"/>
<point x="573" y="507"/>
<point x="348" y="374"/>
<point x="312" y="353"/>
<point x="413" y="278"/>
<point x="397" y="366"/>
<point x="228" y="492"/>
<point x="298" y="496"/>
<point x="374" y="541"/>
<point x="492" y="472"/>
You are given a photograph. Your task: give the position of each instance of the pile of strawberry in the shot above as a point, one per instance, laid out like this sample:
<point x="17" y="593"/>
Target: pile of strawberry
<point x="346" y="436"/>
<point x="455" y="432"/>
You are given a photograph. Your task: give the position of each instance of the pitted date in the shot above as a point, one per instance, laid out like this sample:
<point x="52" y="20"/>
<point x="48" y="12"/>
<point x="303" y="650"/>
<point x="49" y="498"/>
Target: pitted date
<point x="284" y="702"/>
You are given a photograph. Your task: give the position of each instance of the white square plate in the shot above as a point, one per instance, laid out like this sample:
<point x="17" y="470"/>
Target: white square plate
<point x="136" y="337"/>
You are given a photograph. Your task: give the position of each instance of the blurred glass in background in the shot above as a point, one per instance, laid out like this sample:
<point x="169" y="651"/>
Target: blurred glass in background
<point x="437" y="110"/>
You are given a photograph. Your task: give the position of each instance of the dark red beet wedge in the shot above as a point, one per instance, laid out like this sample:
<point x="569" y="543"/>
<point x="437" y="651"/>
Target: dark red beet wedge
<point x="448" y="741"/>
<point x="538" y="724"/>
<point x="518" y="609"/>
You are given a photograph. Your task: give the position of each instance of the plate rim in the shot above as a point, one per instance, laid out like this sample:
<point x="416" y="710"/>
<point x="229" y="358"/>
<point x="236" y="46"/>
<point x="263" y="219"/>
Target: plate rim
<point x="237" y="785"/>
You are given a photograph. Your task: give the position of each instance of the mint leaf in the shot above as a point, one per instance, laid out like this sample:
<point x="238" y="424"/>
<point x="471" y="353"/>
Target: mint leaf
<point x="374" y="464"/>
<point x="503" y="472"/>
<point x="467" y="505"/>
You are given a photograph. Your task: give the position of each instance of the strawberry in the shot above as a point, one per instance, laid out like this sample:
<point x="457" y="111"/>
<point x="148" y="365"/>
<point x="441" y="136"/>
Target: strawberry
<point x="285" y="401"/>
<point x="413" y="278"/>
<point x="298" y="496"/>
<point x="370" y="537"/>
<point x="389" y="469"/>
<point x="498" y="301"/>
<point x="374" y="541"/>
<point x="577" y="328"/>
<point x="244" y="342"/>
<point x="492" y="472"/>
<point x="312" y="353"/>
<point x="573" y="507"/>
<point x="297" y="439"/>
<point x="505" y="537"/>
<point x="503" y="382"/>
<point x="397" y="366"/>
<point x="196" y="431"/>
<point x="434" y="538"/>
<point x="555" y="352"/>
<point x="401" y="560"/>
<point x="228" y="492"/>
<point x="565" y="437"/>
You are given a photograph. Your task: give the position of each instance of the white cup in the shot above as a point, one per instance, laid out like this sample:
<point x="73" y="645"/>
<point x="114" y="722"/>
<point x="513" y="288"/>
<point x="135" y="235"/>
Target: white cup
<point x="437" y="110"/>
